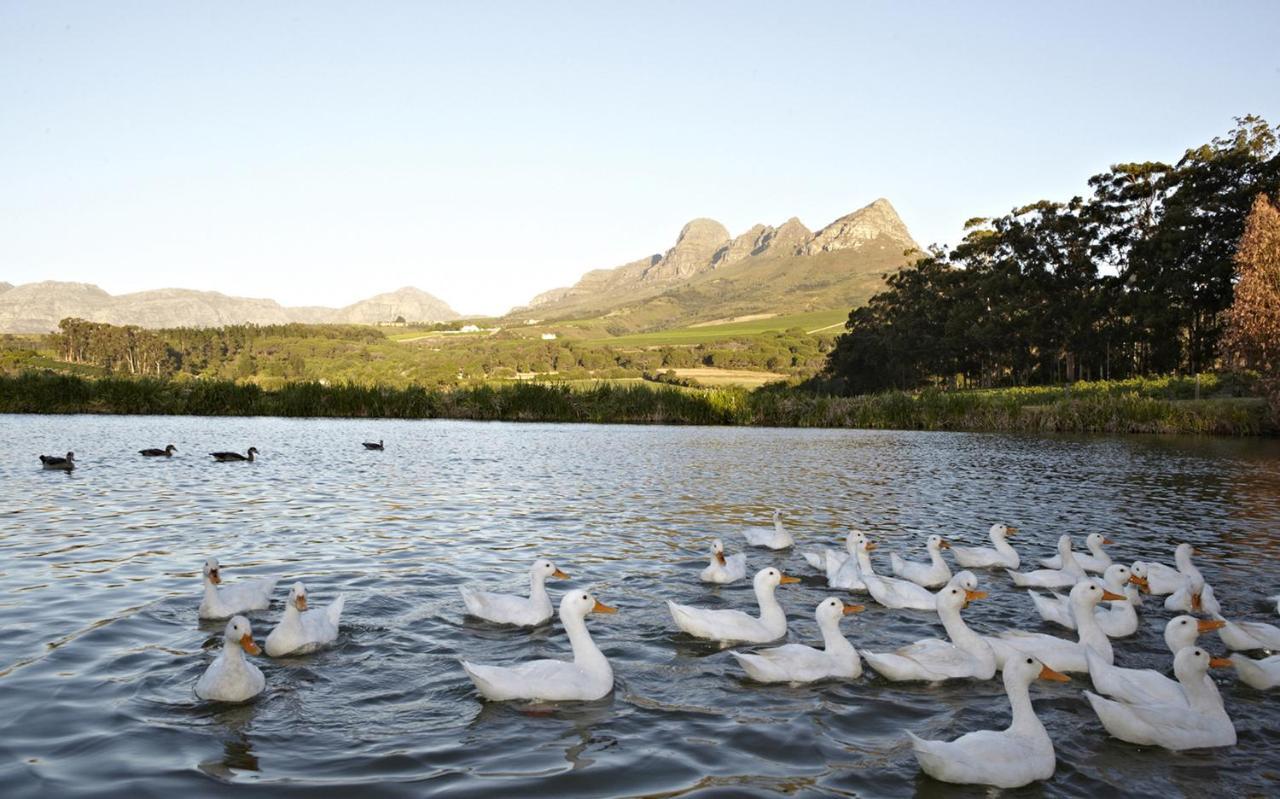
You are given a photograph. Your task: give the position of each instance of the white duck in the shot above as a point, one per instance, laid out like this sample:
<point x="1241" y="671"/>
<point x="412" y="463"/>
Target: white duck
<point x="1149" y="685"/>
<point x="1261" y="674"/>
<point x="301" y="631"/>
<point x="845" y="569"/>
<point x="1002" y="556"/>
<point x="1009" y="758"/>
<point x="1165" y="579"/>
<point x="828" y="560"/>
<point x="967" y="654"/>
<point x="220" y="602"/>
<point x="723" y="569"/>
<point x="772" y="537"/>
<point x="1118" y="620"/>
<point x="585" y="678"/>
<point x="906" y="595"/>
<point x="732" y="626"/>
<point x="933" y="574"/>
<point x="1060" y="653"/>
<point x="1198" y="723"/>
<point x="521" y="611"/>
<point x="1195" y="596"/>
<point x="1246" y="636"/>
<point x="231" y="678"/>
<point x="1068" y="575"/>
<point x="1097" y="561"/>
<point x="797" y="663"/>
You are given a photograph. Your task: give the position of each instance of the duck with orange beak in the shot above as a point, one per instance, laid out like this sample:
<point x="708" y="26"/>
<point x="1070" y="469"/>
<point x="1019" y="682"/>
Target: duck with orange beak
<point x="734" y="626"/>
<point x="1060" y="653"/>
<point x="521" y="611"/>
<point x="933" y="574"/>
<point x="1200" y="722"/>
<point x="585" y="678"/>
<point x="1149" y="685"/>
<point x="797" y="663"/>
<point x="724" y="569"/>
<point x="231" y="678"/>
<point x="223" y="601"/>
<point x="1095" y="561"/>
<point x="302" y="631"/>
<point x="1018" y="755"/>
<point x="966" y="655"/>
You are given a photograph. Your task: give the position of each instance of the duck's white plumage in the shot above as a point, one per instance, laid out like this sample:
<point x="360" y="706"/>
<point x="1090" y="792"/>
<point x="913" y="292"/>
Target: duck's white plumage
<point x="1009" y="758"/>
<point x="724" y="569"/>
<point x="1118" y="620"/>
<point x="1067" y="576"/>
<point x="933" y="574"/>
<point x="965" y="655"/>
<point x="223" y="601"/>
<point x="302" y="631"/>
<point x="797" y="663"/>
<point x="1059" y="653"/>
<point x="903" y="594"/>
<point x="522" y="611"/>
<point x="1097" y="560"/>
<point x="1168" y="579"/>
<point x="734" y="626"/>
<point x="1201" y="722"/>
<point x="1246" y="636"/>
<point x="585" y="678"/>
<point x="231" y="678"/>
<point x="844" y="570"/>
<point x="1195" y="596"/>
<point x="1262" y="674"/>
<point x="775" y="537"/>
<point x="998" y="556"/>
<point x="1149" y="685"/>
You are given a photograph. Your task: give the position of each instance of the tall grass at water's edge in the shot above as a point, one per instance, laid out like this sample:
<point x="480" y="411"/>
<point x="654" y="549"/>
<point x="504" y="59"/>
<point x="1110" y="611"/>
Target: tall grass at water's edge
<point x="1134" y="406"/>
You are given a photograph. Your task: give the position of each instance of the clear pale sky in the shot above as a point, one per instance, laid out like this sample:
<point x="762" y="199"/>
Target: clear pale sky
<point x="319" y="153"/>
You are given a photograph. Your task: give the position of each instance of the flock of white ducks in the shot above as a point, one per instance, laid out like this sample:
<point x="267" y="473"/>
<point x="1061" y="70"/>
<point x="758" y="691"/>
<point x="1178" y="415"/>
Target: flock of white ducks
<point x="1142" y="706"/>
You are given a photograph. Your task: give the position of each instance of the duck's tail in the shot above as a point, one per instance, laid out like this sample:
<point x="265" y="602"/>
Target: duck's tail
<point x="334" y="611"/>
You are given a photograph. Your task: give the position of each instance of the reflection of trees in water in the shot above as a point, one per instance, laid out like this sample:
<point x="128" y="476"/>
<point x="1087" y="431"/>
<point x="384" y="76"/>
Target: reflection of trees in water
<point x="237" y="750"/>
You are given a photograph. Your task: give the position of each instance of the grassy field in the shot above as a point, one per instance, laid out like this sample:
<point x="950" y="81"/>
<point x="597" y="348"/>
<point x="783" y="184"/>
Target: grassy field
<point x="827" y="321"/>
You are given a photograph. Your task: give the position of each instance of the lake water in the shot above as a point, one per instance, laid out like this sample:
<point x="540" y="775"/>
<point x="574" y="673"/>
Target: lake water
<point x="100" y="579"/>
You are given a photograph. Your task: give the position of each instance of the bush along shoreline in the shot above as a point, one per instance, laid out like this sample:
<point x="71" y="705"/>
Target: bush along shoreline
<point x="1163" y="405"/>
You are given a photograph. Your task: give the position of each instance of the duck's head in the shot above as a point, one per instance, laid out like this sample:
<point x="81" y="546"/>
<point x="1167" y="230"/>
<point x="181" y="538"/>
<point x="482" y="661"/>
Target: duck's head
<point x="211" y="570"/>
<point x="961" y="589"/>
<point x="832" y="609"/>
<point x="1001" y="530"/>
<point x="771" y="578"/>
<point x="1138" y="576"/>
<point x="1086" y="594"/>
<point x="169" y="448"/>
<point x="1182" y="631"/>
<point x="861" y="541"/>
<point x="71" y="456"/>
<point x="1193" y="661"/>
<point x="253" y="450"/>
<point x="298" y="596"/>
<point x="577" y="604"/>
<point x="1095" y="540"/>
<point x="1026" y="669"/>
<point x="1115" y="577"/>
<point x="936" y="542"/>
<point x="544" y="569"/>
<point x="1064" y="545"/>
<point x="240" y="634"/>
<point x="777" y="514"/>
<point x="1182" y="553"/>
<point x="717" y="551"/>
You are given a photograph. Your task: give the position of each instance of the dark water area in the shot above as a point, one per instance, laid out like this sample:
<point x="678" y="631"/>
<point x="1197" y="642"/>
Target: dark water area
<point x="100" y="581"/>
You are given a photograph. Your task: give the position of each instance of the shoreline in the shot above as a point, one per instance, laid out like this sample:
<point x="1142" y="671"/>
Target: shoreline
<point x="1123" y="408"/>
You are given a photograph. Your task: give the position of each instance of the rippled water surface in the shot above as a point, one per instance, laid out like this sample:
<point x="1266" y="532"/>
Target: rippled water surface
<point x="100" y="579"/>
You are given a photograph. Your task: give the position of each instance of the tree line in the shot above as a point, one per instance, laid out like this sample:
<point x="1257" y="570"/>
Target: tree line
<point x="1132" y="279"/>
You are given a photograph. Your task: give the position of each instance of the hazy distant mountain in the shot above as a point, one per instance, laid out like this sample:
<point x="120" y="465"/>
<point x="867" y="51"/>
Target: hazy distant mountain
<point x="708" y="275"/>
<point x="5" y="286"/>
<point x="38" y="307"/>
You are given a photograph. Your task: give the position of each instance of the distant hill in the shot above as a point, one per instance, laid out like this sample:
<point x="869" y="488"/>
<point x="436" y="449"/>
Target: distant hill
<point x="38" y="307"/>
<point x="709" y="275"/>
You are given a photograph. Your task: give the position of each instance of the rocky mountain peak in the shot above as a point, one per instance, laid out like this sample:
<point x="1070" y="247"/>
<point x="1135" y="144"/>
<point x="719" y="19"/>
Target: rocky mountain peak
<point x="860" y="227"/>
<point x="695" y="247"/>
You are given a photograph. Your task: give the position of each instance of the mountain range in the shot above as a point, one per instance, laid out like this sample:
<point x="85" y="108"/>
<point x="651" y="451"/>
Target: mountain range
<point x="38" y="307"/>
<point x="709" y="275"/>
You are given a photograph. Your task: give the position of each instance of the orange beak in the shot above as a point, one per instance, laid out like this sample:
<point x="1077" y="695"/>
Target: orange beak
<point x="720" y="558"/>
<point x="1047" y="673"/>
<point x="1209" y="625"/>
<point x="1141" y="582"/>
<point x="870" y="546"/>
<point x="600" y="607"/>
<point x="559" y="575"/>
<point x="969" y="596"/>
<point x="1108" y="595"/>
<point x="1107" y="541"/>
<point x="785" y="579"/>
<point x="247" y="644"/>
<point x="944" y="545"/>
<point x="849" y="609"/>
<point x="213" y="575"/>
<point x="1220" y="663"/>
<point x="300" y="602"/>
<point x="1010" y="530"/>
<point x="1195" y="601"/>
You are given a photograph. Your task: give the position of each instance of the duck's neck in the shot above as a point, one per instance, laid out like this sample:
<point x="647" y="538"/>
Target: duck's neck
<point x="777" y="524"/>
<point x="833" y="641"/>
<point x="233" y="657"/>
<point x="959" y="632"/>
<point x="770" y="610"/>
<point x="210" y="591"/>
<point x="1024" y="715"/>
<point x="1202" y="694"/>
<point x="1002" y="545"/>
<point x="1182" y="559"/>
<point x="291" y="614"/>
<point x="538" y="589"/>
<point x="864" y="561"/>
<point x="935" y="558"/>
<point x="250" y="458"/>
<point x="585" y="652"/>
<point x="1090" y="633"/>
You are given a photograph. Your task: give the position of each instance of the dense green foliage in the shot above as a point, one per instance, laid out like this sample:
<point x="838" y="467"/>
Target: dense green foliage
<point x="1148" y="406"/>
<point x="1132" y="280"/>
